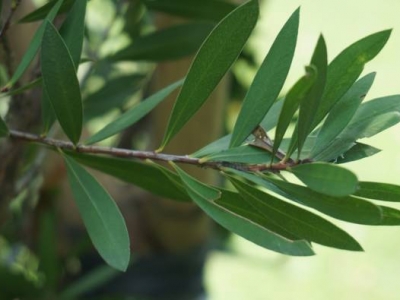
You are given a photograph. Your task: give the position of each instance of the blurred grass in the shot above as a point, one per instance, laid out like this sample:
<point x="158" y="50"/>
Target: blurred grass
<point x="250" y="272"/>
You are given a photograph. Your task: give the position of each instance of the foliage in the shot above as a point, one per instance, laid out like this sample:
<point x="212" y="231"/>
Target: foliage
<point x="265" y="202"/>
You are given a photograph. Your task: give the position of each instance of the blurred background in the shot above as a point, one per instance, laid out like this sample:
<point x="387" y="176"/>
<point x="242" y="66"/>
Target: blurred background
<point x="250" y="272"/>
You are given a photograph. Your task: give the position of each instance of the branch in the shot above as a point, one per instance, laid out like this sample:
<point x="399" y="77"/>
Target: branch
<point x="152" y="155"/>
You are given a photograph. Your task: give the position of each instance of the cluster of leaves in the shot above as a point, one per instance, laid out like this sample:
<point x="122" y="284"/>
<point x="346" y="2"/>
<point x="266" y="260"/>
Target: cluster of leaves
<point x="263" y="206"/>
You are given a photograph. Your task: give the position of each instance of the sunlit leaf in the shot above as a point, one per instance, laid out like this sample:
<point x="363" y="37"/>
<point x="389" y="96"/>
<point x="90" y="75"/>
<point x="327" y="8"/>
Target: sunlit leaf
<point x="342" y="113"/>
<point x="133" y="115"/>
<point x="113" y="95"/>
<point x="213" y="10"/>
<point x="41" y="12"/>
<point x="291" y="103"/>
<point x="312" y="100"/>
<point x="344" y="70"/>
<point x="350" y="209"/>
<point x="357" y="152"/>
<point x="242" y="154"/>
<point x="72" y="30"/>
<point x="61" y="83"/>
<point x="34" y="45"/>
<point x="143" y="175"/>
<point x="216" y="55"/>
<point x="227" y="210"/>
<point x="378" y="191"/>
<point x="327" y="178"/>
<point x="166" y="44"/>
<point x="3" y="128"/>
<point x="268" y="81"/>
<point x="103" y="220"/>
<point x="295" y="219"/>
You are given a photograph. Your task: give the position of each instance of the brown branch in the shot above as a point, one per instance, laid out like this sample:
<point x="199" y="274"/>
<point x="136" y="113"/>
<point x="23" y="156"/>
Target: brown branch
<point x="152" y="155"/>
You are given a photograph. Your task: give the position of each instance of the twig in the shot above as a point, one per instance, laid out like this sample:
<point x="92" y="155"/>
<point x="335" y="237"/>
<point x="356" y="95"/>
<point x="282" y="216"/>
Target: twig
<point x="14" y="6"/>
<point x="152" y="155"/>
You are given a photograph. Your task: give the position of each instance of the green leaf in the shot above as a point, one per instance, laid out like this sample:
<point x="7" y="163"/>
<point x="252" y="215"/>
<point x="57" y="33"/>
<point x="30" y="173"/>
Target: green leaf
<point x="133" y="115"/>
<point x="271" y="118"/>
<point x="103" y="220"/>
<point x="326" y="178"/>
<point x="44" y="10"/>
<point x="48" y="115"/>
<point x="312" y="100"/>
<point x="213" y="10"/>
<point x="3" y="128"/>
<point x="216" y="55"/>
<point x="166" y="44"/>
<point x="242" y="154"/>
<point x="33" y="45"/>
<point x="72" y="30"/>
<point x="379" y="191"/>
<point x="227" y="210"/>
<point x="391" y="216"/>
<point x="214" y="147"/>
<point x="371" y="118"/>
<point x="344" y="70"/>
<point x="268" y="81"/>
<point x="291" y="103"/>
<point x="61" y="83"/>
<point x="342" y="113"/>
<point x="357" y="152"/>
<point x="350" y="209"/>
<point x="113" y="95"/>
<point x="221" y="144"/>
<point x="143" y="175"/>
<point x="296" y="220"/>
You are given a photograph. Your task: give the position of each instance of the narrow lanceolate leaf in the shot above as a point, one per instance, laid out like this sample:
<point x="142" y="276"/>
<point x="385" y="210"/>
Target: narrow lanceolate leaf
<point x="253" y="226"/>
<point x="167" y="44"/>
<point x="378" y="191"/>
<point x="268" y="81"/>
<point x="227" y="210"/>
<point x="216" y="55"/>
<point x="327" y="178"/>
<point x="33" y="45"/>
<point x="242" y="154"/>
<point x="291" y="103"/>
<point x="213" y="10"/>
<point x="3" y="128"/>
<point x="103" y="220"/>
<point x="133" y="115"/>
<point x="295" y="219"/>
<point x="42" y="11"/>
<point x="342" y="113"/>
<point x="61" y="83"/>
<point x="357" y="152"/>
<point x="72" y="34"/>
<point x="157" y="180"/>
<point x="311" y="102"/>
<point x="72" y="30"/>
<point x="350" y="209"/>
<point x="371" y="118"/>
<point x="344" y="70"/>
